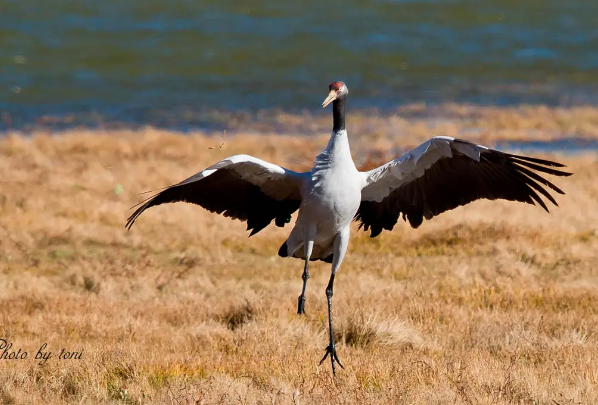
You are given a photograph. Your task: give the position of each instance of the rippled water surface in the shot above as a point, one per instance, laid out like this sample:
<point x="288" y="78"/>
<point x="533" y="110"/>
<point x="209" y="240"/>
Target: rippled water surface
<point x="139" y="61"/>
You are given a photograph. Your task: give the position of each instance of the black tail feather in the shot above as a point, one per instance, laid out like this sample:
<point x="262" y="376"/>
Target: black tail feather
<point x="284" y="250"/>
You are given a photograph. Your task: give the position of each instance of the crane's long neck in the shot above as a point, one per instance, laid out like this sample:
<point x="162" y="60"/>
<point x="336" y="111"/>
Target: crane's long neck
<point x="337" y="151"/>
<point x="338" y="114"/>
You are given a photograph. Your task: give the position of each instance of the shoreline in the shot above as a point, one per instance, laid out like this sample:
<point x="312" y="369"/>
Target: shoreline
<point x="523" y="129"/>
<point x="537" y="122"/>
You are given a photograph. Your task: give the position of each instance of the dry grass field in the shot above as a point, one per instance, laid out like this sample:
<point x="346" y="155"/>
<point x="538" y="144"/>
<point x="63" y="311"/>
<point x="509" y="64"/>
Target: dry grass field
<point x="493" y="303"/>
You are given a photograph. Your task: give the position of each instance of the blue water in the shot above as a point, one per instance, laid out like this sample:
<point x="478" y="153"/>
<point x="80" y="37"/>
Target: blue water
<point x="571" y="145"/>
<point x="174" y="63"/>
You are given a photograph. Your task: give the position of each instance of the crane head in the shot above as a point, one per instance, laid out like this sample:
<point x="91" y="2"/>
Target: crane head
<point x="337" y="90"/>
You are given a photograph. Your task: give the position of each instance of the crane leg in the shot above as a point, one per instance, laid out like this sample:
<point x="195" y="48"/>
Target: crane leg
<point x="331" y="349"/>
<point x="301" y="299"/>
<point x="340" y="248"/>
<point x="309" y="245"/>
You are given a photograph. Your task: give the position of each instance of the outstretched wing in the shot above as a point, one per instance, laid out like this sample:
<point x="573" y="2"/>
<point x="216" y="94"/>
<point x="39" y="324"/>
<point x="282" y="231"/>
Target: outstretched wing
<point x="444" y="173"/>
<point x="240" y="187"/>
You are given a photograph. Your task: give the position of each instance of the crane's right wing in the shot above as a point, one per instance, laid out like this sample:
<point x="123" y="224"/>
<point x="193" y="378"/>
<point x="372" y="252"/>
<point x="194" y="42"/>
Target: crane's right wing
<point x="444" y="173"/>
<point x="240" y="187"/>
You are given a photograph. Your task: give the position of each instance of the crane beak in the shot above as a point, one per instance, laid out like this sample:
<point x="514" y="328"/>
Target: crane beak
<point x="331" y="97"/>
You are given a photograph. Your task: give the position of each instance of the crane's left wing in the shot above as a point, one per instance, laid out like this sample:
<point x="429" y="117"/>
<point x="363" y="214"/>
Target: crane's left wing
<point x="240" y="187"/>
<point x="444" y="173"/>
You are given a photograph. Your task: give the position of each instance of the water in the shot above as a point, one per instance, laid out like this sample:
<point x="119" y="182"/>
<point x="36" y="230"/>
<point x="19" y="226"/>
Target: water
<point x="571" y="145"/>
<point x="166" y="62"/>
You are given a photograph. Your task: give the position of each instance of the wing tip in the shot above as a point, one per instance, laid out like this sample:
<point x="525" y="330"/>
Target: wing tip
<point x="131" y="221"/>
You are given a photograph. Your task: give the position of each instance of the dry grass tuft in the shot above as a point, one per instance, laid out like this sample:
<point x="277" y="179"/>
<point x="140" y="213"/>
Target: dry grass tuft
<point x="6" y="398"/>
<point x="237" y="316"/>
<point x="365" y="330"/>
<point x="493" y="303"/>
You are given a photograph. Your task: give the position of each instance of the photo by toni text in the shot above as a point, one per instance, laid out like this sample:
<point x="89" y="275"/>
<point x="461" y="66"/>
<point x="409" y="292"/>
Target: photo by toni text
<point x="7" y="352"/>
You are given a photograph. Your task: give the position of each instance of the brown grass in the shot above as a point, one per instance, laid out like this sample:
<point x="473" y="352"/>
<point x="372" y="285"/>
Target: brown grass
<point x="493" y="303"/>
